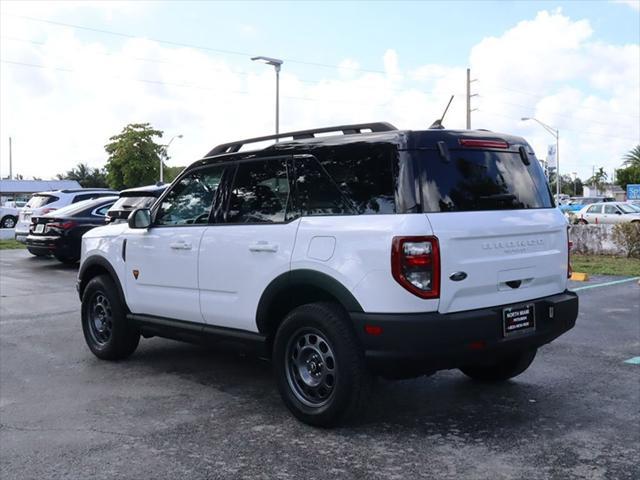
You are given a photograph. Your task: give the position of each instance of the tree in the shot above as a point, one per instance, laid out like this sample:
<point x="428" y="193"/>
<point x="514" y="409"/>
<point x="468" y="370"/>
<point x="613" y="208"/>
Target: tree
<point x="598" y="179"/>
<point x="632" y="157"/>
<point x="86" y="176"/>
<point x="629" y="175"/>
<point x="171" y="173"/>
<point x="567" y="186"/>
<point x="134" y="156"/>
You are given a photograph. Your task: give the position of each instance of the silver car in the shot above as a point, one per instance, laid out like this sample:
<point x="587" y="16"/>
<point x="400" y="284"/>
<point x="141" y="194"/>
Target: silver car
<point x="609" y="212"/>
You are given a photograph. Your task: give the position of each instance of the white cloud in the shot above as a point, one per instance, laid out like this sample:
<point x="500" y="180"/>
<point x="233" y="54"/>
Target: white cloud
<point x="635" y="4"/>
<point x="549" y="67"/>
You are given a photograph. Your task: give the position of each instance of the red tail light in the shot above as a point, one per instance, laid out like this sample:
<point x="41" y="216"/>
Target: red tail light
<point x="62" y="226"/>
<point x="569" y="246"/>
<point x="480" y="143"/>
<point x="415" y="264"/>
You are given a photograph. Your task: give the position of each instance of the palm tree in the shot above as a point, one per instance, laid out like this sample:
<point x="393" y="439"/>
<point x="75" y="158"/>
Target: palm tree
<point x="598" y="180"/>
<point x="632" y="158"/>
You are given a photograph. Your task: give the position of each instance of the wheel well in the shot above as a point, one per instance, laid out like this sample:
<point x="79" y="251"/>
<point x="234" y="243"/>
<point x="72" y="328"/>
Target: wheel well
<point x="288" y="299"/>
<point x="91" y="272"/>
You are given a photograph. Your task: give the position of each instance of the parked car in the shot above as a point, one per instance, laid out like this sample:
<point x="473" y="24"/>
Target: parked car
<point x="8" y="216"/>
<point x="577" y="203"/>
<point x="45" y="202"/>
<point x="342" y="253"/>
<point x="611" y="212"/>
<point x="132" y="198"/>
<point x="59" y="233"/>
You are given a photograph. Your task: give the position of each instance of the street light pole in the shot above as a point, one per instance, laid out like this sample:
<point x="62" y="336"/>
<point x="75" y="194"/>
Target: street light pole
<point x="556" y="133"/>
<point x="277" y="64"/>
<point x="165" y="151"/>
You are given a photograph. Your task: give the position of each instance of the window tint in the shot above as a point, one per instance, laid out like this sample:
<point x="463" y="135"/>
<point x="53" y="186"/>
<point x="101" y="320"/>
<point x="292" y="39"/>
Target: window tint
<point x="190" y="200"/>
<point x="260" y="192"/>
<point x="480" y="180"/>
<point x="365" y="175"/>
<point x="317" y="192"/>
<point x="595" y="209"/>
<point x="102" y="211"/>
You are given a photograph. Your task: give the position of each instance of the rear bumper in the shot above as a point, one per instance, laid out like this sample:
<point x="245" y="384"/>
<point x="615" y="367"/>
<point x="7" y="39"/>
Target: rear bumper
<point x="47" y="245"/>
<point x="426" y="342"/>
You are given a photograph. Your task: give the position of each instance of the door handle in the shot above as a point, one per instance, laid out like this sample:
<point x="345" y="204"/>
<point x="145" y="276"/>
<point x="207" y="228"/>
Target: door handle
<point x="180" y="246"/>
<point x="263" y="247"/>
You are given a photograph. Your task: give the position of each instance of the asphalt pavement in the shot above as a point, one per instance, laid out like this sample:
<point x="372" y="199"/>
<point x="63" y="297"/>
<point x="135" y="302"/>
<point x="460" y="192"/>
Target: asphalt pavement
<point x="177" y="411"/>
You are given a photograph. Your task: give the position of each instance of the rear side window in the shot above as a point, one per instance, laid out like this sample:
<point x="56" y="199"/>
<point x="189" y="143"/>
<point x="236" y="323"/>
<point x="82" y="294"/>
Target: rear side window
<point x="317" y="193"/>
<point x="365" y="175"/>
<point x="594" y="209"/>
<point x="475" y="180"/>
<point x="260" y="192"/>
<point x="38" y="201"/>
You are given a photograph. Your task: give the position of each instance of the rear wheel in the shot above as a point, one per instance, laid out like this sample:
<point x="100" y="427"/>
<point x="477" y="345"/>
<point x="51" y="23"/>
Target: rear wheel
<point x="505" y="368"/>
<point x="319" y="365"/>
<point x="8" y="222"/>
<point x="104" y="322"/>
<point x="582" y="221"/>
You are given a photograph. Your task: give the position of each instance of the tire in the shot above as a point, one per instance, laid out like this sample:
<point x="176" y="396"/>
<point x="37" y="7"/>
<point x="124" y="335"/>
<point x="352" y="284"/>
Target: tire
<point x="319" y="365"/>
<point x="36" y="253"/>
<point x="504" y="369"/>
<point x="8" y="222"/>
<point x="582" y="221"/>
<point x="104" y="321"/>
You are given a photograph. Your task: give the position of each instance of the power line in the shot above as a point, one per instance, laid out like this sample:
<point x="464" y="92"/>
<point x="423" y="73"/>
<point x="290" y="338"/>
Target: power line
<point x="188" y="45"/>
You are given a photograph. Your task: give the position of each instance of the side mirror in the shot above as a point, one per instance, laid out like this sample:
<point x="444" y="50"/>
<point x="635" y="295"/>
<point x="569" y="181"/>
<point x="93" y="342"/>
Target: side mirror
<point x="140" y="218"/>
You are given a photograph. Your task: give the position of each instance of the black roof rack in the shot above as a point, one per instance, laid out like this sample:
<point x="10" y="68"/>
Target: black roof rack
<point x="233" y="147"/>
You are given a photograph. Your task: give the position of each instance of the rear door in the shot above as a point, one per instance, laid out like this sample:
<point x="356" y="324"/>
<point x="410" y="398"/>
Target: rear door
<point x="494" y="219"/>
<point x="162" y="261"/>
<point x="249" y="245"/>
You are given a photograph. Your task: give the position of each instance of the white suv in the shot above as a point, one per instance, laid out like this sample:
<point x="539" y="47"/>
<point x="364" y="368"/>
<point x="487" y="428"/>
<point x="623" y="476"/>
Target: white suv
<point x="370" y="251"/>
<point x="45" y="202"/>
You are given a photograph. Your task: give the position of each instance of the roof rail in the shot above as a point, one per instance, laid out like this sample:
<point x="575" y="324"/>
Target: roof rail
<point x="233" y="147"/>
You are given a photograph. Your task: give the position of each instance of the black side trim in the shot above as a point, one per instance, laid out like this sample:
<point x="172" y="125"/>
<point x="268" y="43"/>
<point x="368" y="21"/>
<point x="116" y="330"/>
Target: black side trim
<point x="309" y="278"/>
<point x="91" y="263"/>
<point x="198" y="333"/>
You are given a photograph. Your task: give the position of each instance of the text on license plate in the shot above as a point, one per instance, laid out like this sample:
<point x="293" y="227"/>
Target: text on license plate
<point x="518" y="319"/>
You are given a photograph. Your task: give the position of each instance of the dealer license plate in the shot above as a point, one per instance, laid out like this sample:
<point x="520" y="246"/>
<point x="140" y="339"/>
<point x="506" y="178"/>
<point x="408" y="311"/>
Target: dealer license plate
<point x="518" y="319"/>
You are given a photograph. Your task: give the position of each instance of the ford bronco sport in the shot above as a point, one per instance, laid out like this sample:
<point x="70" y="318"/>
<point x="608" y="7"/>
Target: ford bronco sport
<point x="341" y="253"/>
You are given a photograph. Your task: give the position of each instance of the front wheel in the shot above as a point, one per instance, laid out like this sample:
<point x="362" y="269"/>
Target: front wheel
<point x="319" y="365"/>
<point x="503" y="369"/>
<point x="104" y="321"/>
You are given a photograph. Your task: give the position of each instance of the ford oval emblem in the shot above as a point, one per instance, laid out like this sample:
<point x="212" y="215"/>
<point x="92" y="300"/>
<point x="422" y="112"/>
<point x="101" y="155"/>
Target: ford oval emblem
<point x="458" y="276"/>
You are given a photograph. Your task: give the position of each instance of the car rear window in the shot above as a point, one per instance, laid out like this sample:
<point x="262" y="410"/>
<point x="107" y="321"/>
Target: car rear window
<point x="38" y="201"/>
<point x="131" y="203"/>
<point x="480" y="180"/>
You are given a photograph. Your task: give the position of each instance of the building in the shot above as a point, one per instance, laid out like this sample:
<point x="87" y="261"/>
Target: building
<point x="21" y="190"/>
<point x="607" y="190"/>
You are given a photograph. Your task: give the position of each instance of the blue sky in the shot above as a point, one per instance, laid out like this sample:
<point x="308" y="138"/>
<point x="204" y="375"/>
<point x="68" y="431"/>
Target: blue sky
<point x="571" y="64"/>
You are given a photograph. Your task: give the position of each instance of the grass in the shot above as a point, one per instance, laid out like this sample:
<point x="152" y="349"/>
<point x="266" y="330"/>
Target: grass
<point x="605" y="265"/>
<point x="10" y="245"/>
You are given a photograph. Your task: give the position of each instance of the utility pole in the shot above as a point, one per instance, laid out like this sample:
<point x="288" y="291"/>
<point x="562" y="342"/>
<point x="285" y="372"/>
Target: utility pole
<point x="10" y="162"/>
<point x="469" y="95"/>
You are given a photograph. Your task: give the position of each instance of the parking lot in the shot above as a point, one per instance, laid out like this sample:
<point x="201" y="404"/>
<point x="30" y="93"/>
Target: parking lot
<point x="180" y="411"/>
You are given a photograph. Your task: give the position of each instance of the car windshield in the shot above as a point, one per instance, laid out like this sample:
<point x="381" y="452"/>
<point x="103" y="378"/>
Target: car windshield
<point x="131" y="203"/>
<point x="38" y="201"/>
<point x="628" y="208"/>
<point x="481" y="180"/>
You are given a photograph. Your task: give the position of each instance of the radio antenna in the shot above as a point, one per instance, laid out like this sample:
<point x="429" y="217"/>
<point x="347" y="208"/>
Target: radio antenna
<point x="438" y="123"/>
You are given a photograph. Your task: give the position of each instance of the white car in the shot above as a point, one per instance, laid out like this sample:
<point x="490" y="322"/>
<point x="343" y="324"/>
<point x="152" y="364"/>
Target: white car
<point x="8" y="215"/>
<point x="369" y="251"/>
<point x="45" y="202"/>
<point x="609" y="212"/>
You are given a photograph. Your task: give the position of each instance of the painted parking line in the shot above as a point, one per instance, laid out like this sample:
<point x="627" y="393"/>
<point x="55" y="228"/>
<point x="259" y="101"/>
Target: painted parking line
<point x="633" y="361"/>
<point x="606" y="284"/>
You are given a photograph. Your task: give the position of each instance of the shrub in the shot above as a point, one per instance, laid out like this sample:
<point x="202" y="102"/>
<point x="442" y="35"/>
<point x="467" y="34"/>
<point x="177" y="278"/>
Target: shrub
<point x="627" y="236"/>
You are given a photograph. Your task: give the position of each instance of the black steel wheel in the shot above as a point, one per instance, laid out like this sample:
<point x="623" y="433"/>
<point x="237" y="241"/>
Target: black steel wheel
<point x="106" y="329"/>
<point x="319" y="365"/>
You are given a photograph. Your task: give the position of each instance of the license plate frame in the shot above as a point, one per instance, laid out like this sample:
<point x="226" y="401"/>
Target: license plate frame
<point x="518" y="320"/>
<point x="39" y="228"/>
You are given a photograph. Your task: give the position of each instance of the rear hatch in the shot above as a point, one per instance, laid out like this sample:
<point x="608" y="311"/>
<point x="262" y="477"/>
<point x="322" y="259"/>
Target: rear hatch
<point x="500" y="237"/>
<point x="37" y="205"/>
